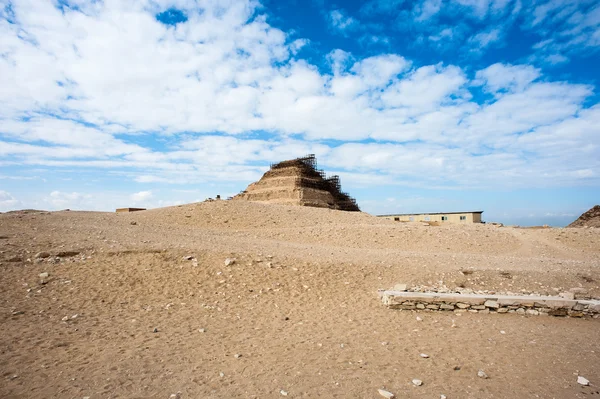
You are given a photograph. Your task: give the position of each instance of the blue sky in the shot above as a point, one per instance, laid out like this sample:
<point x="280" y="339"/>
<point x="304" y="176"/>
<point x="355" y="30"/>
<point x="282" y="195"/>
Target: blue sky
<point x="418" y="105"/>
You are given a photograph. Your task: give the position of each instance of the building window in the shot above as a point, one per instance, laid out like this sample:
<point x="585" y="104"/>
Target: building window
<point x="444" y="218"/>
<point x="463" y="218"/>
<point x="397" y="219"/>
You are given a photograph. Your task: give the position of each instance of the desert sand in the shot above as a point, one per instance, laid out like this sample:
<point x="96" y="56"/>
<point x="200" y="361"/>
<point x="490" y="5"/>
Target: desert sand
<point x="142" y="305"/>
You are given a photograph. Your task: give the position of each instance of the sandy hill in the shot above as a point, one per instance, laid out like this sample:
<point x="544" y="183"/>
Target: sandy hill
<point x="299" y="182"/>
<point x="143" y="305"/>
<point x="590" y="218"/>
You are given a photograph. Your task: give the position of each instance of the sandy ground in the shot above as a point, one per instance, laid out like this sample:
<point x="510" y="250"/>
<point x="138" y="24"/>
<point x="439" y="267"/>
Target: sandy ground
<point x="299" y="306"/>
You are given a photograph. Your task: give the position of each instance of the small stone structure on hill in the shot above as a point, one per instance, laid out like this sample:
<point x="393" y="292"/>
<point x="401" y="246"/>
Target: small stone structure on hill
<point x="299" y="182"/>
<point x="590" y="218"/>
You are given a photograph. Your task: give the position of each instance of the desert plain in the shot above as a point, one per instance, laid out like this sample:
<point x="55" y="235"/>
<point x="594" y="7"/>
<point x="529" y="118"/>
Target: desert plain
<point x="233" y="299"/>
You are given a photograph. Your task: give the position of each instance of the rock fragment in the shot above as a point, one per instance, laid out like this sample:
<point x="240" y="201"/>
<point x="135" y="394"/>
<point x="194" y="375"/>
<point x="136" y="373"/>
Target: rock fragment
<point x="582" y="381"/>
<point x="417" y="382"/>
<point x="482" y="374"/>
<point x="424" y="355"/>
<point x="400" y="287"/>
<point x="386" y="394"/>
<point x="229" y="261"/>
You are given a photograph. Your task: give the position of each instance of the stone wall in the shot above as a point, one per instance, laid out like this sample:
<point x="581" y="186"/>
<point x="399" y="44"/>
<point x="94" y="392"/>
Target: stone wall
<point x="524" y="305"/>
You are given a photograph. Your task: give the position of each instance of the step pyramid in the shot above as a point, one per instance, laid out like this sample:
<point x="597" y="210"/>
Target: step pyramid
<point x="299" y="182"/>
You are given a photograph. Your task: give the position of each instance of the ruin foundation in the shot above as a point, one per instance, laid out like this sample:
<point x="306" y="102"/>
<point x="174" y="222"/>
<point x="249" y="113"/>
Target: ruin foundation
<point x="474" y="303"/>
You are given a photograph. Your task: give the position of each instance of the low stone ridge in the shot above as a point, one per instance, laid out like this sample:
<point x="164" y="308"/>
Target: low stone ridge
<point x="299" y="182"/>
<point x="590" y="218"/>
<point x="526" y="304"/>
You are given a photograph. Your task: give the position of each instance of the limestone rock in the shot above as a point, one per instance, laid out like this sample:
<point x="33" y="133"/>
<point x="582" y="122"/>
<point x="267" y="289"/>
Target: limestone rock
<point x="417" y="382"/>
<point x="567" y="295"/>
<point x="229" y="261"/>
<point x="582" y="381"/>
<point x="386" y="394"/>
<point x="400" y="287"/>
<point x="491" y="304"/>
<point x="482" y="374"/>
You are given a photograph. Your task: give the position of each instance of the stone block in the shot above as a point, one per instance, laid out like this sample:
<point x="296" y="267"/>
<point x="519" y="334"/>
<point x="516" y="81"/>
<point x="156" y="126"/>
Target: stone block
<point x="400" y="287"/>
<point x="491" y="304"/>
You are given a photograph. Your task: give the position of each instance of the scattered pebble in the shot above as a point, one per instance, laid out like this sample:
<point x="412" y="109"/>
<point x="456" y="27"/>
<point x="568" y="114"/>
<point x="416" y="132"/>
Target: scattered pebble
<point x="221" y="374"/>
<point x="419" y="319"/>
<point x="582" y="381"/>
<point x="424" y="355"/>
<point x="237" y="355"/>
<point x="201" y="330"/>
<point x="482" y="374"/>
<point x="417" y="382"/>
<point x="502" y="332"/>
<point x="155" y="330"/>
<point x="229" y="261"/>
<point x="44" y="275"/>
<point x="283" y="393"/>
<point x="386" y="394"/>
<point x="442" y="396"/>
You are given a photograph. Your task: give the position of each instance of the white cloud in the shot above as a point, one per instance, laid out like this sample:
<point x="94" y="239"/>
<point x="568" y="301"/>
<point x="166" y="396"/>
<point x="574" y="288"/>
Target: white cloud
<point x="506" y="78"/>
<point x="72" y="200"/>
<point x="484" y="39"/>
<point x="340" y="21"/>
<point x="8" y="202"/>
<point x="427" y="9"/>
<point x="75" y="95"/>
<point x="141" y="196"/>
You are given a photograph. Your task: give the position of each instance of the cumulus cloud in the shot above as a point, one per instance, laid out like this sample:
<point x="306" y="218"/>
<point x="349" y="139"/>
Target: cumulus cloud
<point x="225" y="93"/>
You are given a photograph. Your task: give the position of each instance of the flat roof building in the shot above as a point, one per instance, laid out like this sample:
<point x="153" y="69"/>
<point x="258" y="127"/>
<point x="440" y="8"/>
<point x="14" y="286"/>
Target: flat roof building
<point x="119" y="210"/>
<point x="442" y="217"/>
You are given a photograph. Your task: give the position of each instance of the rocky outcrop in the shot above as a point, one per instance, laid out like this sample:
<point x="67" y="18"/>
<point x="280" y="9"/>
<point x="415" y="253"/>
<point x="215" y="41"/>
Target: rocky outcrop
<point x="299" y="182"/>
<point x="590" y="218"/>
